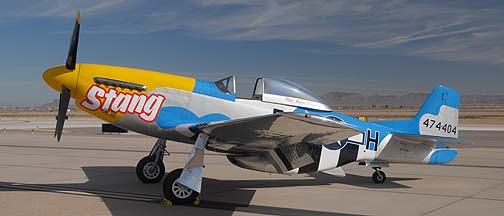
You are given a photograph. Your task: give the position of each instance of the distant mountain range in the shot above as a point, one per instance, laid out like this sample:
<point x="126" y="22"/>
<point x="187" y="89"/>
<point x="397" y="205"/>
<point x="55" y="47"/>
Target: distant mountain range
<point x="356" y="100"/>
<point x="55" y="103"/>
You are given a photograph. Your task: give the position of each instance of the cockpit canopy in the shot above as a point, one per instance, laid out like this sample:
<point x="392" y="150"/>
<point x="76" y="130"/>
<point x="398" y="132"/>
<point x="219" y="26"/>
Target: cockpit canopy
<point x="282" y="91"/>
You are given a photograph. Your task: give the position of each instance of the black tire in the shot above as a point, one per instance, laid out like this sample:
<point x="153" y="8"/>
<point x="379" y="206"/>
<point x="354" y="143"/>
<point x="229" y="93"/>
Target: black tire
<point x="379" y="177"/>
<point x="142" y="170"/>
<point x="183" y="195"/>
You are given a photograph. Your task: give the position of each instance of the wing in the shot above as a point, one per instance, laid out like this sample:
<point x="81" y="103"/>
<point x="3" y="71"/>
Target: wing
<point x="273" y="131"/>
<point x="433" y="140"/>
<point x="280" y="142"/>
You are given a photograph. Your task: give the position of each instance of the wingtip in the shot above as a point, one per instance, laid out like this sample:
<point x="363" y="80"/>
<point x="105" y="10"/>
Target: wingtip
<point x="78" y="16"/>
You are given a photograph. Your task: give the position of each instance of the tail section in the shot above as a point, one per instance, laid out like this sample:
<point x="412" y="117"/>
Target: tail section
<point x="437" y="117"/>
<point x="439" y="114"/>
<point x="428" y="136"/>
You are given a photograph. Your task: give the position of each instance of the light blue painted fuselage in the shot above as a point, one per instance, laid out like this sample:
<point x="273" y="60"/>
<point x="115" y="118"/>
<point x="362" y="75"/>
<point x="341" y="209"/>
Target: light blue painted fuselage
<point x="207" y="103"/>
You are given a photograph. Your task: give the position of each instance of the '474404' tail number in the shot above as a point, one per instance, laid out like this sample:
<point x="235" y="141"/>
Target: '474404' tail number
<point x="447" y="128"/>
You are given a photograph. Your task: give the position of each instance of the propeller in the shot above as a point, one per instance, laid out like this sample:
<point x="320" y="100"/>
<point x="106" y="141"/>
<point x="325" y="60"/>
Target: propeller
<point x="62" y="111"/>
<point x="72" y="51"/>
<point x="64" y="99"/>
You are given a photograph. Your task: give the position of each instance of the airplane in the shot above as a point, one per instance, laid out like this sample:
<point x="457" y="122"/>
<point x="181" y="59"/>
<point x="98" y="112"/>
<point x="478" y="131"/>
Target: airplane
<point x="283" y="128"/>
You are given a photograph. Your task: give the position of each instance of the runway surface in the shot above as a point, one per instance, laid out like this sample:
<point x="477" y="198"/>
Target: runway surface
<point x="94" y="174"/>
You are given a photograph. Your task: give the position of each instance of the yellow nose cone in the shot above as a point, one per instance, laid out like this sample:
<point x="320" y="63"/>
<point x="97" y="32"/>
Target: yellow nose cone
<point x="60" y="76"/>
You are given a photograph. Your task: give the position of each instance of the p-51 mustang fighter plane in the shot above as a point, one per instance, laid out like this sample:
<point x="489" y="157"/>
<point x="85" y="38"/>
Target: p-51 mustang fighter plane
<point x="283" y="128"/>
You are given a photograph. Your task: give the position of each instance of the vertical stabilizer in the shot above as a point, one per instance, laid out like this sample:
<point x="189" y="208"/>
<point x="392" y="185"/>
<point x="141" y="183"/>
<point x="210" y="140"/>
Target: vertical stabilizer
<point x="439" y="114"/>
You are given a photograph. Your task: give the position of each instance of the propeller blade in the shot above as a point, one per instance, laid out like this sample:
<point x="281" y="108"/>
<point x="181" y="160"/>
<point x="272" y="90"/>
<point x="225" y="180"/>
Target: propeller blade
<point x="74" y="43"/>
<point x="62" y="111"/>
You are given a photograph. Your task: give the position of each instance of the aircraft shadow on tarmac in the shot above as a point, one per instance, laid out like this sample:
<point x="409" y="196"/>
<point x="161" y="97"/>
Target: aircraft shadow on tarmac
<point x="114" y="183"/>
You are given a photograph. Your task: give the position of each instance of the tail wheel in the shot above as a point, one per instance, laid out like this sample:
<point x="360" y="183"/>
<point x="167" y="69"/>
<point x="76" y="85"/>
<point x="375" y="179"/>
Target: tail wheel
<point x="379" y="177"/>
<point x="175" y="192"/>
<point x="148" y="172"/>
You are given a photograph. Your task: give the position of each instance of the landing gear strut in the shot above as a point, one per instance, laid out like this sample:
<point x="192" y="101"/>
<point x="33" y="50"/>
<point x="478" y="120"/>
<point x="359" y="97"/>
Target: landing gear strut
<point x="182" y="186"/>
<point x="151" y="169"/>
<point x="379" y="176"/>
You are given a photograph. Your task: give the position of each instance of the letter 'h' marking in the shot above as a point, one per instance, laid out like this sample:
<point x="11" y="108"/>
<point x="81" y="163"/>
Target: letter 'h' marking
<point x="372" y="142"/>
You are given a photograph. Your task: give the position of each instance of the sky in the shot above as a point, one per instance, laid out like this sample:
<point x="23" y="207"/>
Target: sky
<point x="364" y="46"/>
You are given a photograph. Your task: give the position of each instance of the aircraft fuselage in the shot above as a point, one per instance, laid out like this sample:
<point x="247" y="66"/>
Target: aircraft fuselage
<point x="165" y="105"/>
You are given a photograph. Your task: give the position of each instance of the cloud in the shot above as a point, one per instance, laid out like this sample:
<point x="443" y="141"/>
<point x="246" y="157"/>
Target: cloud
<point x="428" y="29"/>
<point x="57" y="8"/>
<point x="453" y="32"/>
<point x="464" y="30"/>
<point x="432" y="30"/>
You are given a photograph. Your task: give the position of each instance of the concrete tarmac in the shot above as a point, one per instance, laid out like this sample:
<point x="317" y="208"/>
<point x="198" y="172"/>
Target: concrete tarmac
<point x="94" y="174"/>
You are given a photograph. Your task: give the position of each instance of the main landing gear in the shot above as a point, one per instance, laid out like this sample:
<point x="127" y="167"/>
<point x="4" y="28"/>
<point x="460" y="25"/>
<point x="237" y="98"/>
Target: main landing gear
<point x="175" y="192"/>
<point x="150" y="169"/>
<point x="379" y="176"/>
<point x="182" y="186"/>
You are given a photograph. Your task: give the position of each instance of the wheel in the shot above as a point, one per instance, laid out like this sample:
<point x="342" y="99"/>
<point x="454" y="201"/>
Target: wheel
<point x="175" y="192"/>
<point x="379" y="177"/>
<point x="145" y="172"/>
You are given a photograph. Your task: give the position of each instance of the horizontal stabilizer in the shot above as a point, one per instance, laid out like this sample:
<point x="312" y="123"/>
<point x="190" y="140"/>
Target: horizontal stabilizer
<point x="433" y="140"/>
